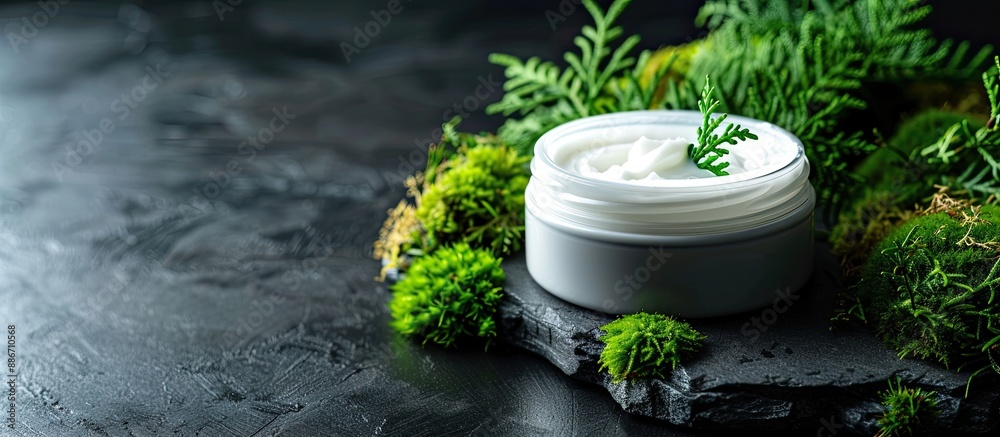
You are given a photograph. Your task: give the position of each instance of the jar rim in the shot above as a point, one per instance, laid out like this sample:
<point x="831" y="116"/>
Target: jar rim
<point x="742" y="179"/>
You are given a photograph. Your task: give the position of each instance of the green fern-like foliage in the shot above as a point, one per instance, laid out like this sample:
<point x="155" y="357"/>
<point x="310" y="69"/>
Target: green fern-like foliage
<point x="803" y="65"/>
<point x="937" y="148"/>
<point x="646" y="345"/>
<point x="709" y="150"/>
<point x="907" y="411"/>
<point x="600" y="79"/>
<point x="882" y="35"/>
<point x="449" y="296"/>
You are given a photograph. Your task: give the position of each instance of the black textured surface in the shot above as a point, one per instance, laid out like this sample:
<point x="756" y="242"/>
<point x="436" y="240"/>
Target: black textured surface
<point x="148" y="301"/>
<point x="790" y="371"/>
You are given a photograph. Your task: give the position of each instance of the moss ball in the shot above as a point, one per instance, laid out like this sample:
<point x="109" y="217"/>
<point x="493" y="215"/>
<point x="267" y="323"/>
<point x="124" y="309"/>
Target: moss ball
<point x="646" y="345"/>
<point x="449" y="296"/>
<point x="927" y="288"/>
<point x="479" y="199"/>
<point x="907" y="411"/>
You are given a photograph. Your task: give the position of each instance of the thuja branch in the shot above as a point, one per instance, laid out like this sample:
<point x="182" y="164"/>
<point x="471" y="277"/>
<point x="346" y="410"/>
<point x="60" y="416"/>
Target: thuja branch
<point x="708" y="150"/>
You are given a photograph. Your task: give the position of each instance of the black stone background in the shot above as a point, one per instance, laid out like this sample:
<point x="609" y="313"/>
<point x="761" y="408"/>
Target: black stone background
<point x="148" y="302"/>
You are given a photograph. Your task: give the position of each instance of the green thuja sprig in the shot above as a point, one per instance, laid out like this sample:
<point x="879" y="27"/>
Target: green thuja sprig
<point x="708" y="150"/>
<point x="448" y="296"/>
<point x="906" y="411"/>
<point x="540" y="95"/>
<point x="646" y="345"/>
<point x="807" y="67"/>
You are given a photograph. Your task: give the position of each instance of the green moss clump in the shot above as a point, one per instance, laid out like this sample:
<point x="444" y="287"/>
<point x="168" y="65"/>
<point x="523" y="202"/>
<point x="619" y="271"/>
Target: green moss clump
<point x="929" y="289"/>
<point x="449" y="295"/>
<point x="478" y="199"/>
<point x="906" y="411"/>
<point x="646" y="345"/>
<point x="471" y="191"/>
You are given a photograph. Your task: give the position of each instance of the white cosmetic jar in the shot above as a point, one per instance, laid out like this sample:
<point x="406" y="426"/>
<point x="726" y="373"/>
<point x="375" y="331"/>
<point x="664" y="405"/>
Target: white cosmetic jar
<point x="686" y="247"/>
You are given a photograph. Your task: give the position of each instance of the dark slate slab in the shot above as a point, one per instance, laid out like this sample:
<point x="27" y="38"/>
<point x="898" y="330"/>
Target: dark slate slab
<point x="798" y="373"/>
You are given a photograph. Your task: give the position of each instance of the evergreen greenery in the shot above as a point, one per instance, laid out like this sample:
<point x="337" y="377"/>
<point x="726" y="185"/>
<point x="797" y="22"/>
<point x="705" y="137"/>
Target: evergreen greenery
<point x="708" y="150"/>
<point x="965" y="158"/>
<point x="892" y="170"/>
<point x="801" y="66"/>
<point x="906" y="411"/>
<point x="894" y="186"/>
<point x="932" y="150"/>
<point x="540" y="95"/>
<point x="646" y="345"/>
<point x="805" y="66"/>
<point x="449" y="296"/>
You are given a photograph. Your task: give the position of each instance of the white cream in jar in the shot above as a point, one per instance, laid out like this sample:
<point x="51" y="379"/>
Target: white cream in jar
<point x="648" y="160"/>
<point x="620" y="220"/>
